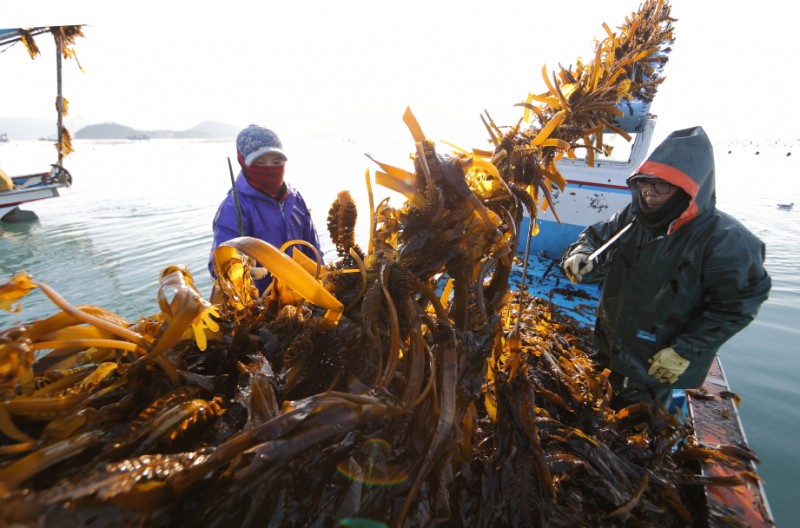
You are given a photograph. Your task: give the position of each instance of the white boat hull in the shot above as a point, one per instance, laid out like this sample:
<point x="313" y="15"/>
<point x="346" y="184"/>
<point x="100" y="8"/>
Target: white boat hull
<point x="32" y="188"/>
<point x="592" y="194"/>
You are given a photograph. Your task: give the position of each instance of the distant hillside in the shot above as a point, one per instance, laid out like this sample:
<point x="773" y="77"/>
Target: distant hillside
<point x="31" y="128"/>
<point x="205" y="130"/>
<point x="211" y="129"/>
<point x="105" y="131"/>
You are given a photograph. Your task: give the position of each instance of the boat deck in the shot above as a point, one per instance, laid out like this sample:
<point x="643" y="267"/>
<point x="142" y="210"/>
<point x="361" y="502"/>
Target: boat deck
<point x="711" y="409"/>
<point x="713" y="414"/>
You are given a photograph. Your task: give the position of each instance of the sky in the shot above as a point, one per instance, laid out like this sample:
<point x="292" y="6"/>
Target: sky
<point x="350" y="68"/>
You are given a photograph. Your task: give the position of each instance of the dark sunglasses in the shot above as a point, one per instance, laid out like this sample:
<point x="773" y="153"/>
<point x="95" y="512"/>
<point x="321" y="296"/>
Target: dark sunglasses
<point x="659" y="186"/>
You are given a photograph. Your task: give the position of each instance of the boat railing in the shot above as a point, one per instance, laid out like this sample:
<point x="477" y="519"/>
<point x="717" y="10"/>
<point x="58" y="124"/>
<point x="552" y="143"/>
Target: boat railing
<point x="58" y="176"/>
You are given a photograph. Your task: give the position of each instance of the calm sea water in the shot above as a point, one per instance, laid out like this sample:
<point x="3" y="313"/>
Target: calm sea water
<point x="138" y="206"/>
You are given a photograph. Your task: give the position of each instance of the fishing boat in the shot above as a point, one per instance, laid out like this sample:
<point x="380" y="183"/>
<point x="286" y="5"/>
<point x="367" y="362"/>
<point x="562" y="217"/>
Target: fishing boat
<point x="18" y="190"/>
<point x="592" y="194"/>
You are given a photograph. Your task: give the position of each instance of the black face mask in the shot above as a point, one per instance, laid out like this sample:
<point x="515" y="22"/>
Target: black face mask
<point x="661" y="217"/>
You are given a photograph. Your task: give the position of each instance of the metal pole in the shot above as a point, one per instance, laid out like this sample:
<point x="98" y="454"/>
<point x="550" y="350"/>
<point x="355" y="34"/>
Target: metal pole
<point x="236" y="200"/>
<point x="59" y="98"/>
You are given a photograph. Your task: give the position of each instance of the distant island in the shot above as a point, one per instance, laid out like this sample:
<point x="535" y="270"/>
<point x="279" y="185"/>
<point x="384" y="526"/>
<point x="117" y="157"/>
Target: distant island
<point x="31" y="128"/>
<point x="205" y="130"/>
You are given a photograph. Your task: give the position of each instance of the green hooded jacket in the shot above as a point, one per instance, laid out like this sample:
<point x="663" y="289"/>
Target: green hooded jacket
<point x="691" y="288"/>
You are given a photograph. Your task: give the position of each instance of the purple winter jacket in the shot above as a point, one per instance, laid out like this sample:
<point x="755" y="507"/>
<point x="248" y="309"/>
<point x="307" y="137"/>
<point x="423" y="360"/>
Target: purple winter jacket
<point x="264" y="218"/>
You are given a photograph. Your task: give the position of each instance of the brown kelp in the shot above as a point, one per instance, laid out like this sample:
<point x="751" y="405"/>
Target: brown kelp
<point x="403" y="384"/>
<point x="581" y="102"/>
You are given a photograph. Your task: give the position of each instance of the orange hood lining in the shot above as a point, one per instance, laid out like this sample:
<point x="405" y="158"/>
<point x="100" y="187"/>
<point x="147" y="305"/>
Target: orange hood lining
<point x="680" y="179"/>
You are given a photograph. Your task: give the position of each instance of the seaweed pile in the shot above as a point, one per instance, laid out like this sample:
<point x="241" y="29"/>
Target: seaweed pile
<point x="404" y="384"/>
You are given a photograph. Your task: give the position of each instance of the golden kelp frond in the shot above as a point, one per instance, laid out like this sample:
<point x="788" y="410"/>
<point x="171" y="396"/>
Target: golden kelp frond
<point x="234" y="290"/>
<point x="27" y="40"/>
<point x="64" y="147"/>
<point x="18" y="346"/>
<point x="186" y="312"/>
<point x="342" y="217"/>
<point x="65" y="38"/>
<point x="413" y="126"/>
<point x="581" y="102"/>
<point x="289" y="272"/>
<point x="64" y="109"/>
<point x="398" y="185"/>
<point x="15" y="289"/>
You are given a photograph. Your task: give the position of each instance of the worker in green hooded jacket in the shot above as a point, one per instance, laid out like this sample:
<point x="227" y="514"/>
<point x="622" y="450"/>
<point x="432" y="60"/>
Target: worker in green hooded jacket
<point x="678" y="283"/>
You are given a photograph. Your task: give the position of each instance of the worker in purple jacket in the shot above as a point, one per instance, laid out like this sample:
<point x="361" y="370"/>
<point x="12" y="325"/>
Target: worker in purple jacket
<point x="269" y="208"/>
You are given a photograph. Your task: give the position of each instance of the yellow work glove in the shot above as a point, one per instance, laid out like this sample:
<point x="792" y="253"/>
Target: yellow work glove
<point x="577" y="266"/>
<point x="666" y="365"/>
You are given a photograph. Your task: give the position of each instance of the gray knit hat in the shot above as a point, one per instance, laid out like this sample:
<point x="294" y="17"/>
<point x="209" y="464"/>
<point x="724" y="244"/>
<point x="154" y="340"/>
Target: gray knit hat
<point x="255" y="141"/>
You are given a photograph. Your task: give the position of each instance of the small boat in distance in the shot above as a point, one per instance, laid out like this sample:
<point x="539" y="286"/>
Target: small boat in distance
<point x="3" y="138"/>
<point x="139" y="137"/>
<point x="17" y="190"/>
